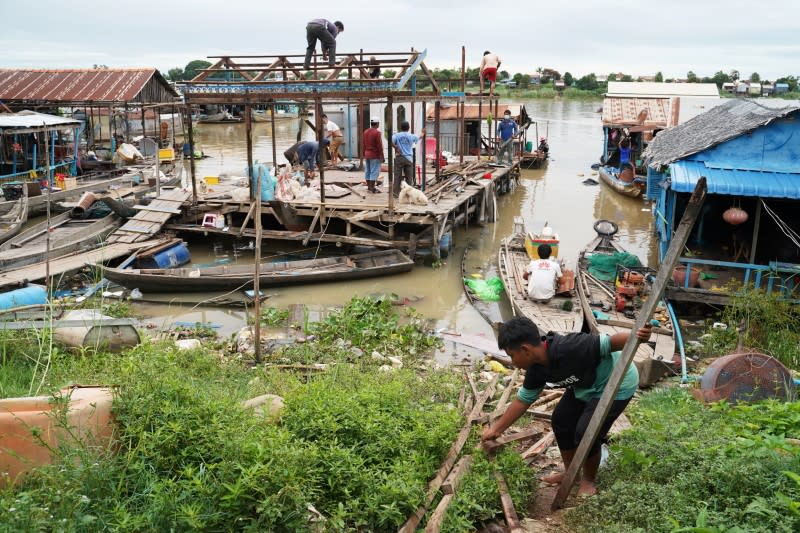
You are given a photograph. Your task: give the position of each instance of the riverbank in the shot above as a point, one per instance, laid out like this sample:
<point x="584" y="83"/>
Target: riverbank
<point x="549" y="92"/>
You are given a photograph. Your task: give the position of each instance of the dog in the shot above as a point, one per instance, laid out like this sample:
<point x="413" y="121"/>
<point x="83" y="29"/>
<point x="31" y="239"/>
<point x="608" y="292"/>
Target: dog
<point x="411" y="195"/>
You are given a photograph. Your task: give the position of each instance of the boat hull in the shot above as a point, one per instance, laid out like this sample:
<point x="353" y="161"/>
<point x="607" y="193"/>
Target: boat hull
<point x="626" y="189"/>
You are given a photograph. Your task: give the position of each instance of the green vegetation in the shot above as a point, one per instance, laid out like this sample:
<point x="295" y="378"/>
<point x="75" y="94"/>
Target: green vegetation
<point x="353" y="450"/>
<point x="689" y="467"/>
<point x="772" y="326"/>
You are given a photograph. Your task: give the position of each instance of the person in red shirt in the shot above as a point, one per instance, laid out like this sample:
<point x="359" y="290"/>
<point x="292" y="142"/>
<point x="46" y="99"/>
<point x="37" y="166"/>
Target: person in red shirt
<point x="373" y="155"/>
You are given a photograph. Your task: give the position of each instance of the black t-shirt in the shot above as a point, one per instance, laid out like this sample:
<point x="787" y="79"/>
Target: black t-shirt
<point x="572" y="362"/>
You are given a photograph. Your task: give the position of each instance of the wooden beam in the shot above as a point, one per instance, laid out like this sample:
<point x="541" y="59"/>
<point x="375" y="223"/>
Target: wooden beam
<point x="311" y="227"/>
<point x="540" y="446"/>
<point x="454" y="478"/>
<point x="342" y="64"/>
<point x="629" y="351"/>
<point x="492" y="445"/>
<point x="512" y="520"/>
<point x="372" y="229"/>
<point x="434" y="524"/>
<point x="207" y="72"/>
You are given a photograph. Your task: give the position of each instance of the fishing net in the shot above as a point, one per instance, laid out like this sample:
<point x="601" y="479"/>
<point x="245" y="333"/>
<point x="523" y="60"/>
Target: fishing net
<point x="604" y="267"/>
<point x="488" y="290"/>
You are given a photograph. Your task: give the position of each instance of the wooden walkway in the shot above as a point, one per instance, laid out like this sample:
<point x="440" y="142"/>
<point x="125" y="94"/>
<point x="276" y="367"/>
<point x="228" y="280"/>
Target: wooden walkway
<point x="70" y="263"/>
<point x="150" y="218"/>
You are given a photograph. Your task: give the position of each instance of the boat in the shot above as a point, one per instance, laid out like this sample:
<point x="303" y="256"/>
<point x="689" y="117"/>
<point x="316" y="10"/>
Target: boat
<point x="610" y="305"/>
<point x="67" y="235"/>
<point x="610" y="176"/>
<point x="562" y="314"/>
<point x="266" y="116"/>
<point x="233" y="277"/>
<point x="13" y="213"/>
<point x="224" y="117"/>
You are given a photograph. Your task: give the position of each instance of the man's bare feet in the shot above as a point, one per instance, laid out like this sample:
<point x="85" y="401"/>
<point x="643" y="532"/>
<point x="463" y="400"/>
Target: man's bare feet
<point x="587" y="488"/>
<point x="554" y="478"/>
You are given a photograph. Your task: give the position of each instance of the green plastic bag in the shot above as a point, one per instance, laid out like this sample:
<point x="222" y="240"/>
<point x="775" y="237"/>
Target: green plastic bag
<point x="488" y="290"/>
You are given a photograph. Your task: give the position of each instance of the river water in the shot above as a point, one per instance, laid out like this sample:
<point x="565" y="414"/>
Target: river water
<point x="554" y="194"/>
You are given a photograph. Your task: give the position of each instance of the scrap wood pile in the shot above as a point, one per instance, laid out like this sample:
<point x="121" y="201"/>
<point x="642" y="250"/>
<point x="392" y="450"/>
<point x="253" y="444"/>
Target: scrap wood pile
<point x="480" y="407"/>
<point x="456" y="176"/>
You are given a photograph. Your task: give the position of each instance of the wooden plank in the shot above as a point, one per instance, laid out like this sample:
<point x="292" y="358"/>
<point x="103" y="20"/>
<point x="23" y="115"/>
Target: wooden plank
<point x="372" y="229"/>
<point x="454" y="478"/>
<point x="492" y="445"/>
<point x="512" y="520"/>
<point x="434" y="524"/>
<point x="539" y="447"/>
<point x="157" y="209"/>
<point x="629" y="351"/>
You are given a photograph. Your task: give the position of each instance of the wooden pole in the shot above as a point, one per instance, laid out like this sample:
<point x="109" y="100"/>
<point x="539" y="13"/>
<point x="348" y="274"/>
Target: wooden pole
<point x="391" y="153"/>
<point x="248" y="129"/>
<point x="322" y="157"/>
<point x="461" y="124"/>
<point x="257" y="219"/>
<point x="360" y="133"/>
<point x="437" y="108"/>
<point x="191" y="153"/>
<point x="47" y="233"/>
<point x="628" y="352"/>
<point x="274" y="145"/>
<point x="756" y="226"/>
<point x="424" y="147"/>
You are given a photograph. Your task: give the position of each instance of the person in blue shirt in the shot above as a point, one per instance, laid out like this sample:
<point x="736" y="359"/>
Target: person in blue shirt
<point x="506" y="130"/>
<point x="308" y="156"/>
<point x="580" y="362"/>
<point x="326" y="32"/>
<point x="624" y="152"/>
<point x="403" y="143"/>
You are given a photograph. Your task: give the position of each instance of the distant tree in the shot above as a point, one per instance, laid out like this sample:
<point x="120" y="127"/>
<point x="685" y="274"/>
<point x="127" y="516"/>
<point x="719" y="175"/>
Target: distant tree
<point x="587" y="82"/>
<point x="691" y="77"/>
<point x="734" y="75"/>
<point x="175" y="74"/>
<point x="504" y="75"/>
<point x="96" y="66"/>
<point x="755" y="78"/>
<point x="389" y="73"/>
<point x="720" y="77"/>
<point x="549" y="74"/>
<point x="192" y="67"/>
<point x="659" y="77"/>
<point x="790" y="80"/>
<point x="612" y="76"/>
<point x="627" y="77"/>
<point x="568" y="79"/>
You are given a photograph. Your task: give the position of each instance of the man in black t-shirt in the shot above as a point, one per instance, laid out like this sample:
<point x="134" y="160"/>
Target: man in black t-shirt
<point x="582" y="363"/>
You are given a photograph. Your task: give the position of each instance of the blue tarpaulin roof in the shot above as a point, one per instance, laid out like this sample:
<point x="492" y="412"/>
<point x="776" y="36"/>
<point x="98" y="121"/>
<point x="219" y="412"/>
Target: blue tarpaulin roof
<point x="685" y="174"/>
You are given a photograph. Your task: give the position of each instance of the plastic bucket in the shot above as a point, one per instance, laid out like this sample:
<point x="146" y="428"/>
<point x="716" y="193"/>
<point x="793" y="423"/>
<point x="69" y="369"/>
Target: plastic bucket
<point x="529" y="146"/>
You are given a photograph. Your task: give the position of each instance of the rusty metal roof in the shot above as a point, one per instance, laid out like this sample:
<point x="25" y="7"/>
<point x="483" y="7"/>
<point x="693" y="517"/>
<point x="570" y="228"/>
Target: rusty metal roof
<point x="471" y="111"/>
<point x="636" y="112"/>
<point x="112" y="85"/>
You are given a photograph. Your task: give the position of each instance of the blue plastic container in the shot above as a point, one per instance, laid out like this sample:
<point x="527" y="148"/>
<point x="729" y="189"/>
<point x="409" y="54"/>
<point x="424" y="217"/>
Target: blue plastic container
<point x="30" y="295"/>
<point x="172" y="257"/>
<point x="267" y="181"/>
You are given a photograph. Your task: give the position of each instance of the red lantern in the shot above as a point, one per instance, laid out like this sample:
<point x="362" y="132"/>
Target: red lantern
<point x="735" y="216"/>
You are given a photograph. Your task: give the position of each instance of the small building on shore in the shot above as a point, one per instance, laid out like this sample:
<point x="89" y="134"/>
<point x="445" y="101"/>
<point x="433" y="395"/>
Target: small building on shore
<point x="749" y="228"/>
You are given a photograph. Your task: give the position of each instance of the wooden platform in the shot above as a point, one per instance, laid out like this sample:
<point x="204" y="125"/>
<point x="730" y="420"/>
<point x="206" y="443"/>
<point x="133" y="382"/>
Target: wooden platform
<point x="70" y="263"/>
<point x="150" y="218"/>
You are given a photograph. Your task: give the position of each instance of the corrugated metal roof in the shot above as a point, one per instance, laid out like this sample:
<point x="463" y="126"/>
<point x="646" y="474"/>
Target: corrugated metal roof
<point x="685" y="175"/>
<point x="32" y="121"/>
<point x="471" y="111"/>
<point x="661" y="90"/>
<point x="80" y="85"/>
<point x="636" y="112"/>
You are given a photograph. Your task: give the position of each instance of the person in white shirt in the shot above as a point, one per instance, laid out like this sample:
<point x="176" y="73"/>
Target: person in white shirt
<point x="542" y="275"/>
<point x="334" y="133"/>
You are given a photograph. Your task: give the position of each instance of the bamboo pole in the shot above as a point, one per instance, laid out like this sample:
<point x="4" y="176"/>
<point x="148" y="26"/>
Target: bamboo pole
<point x="191" y="154"/>
<point x="274" y="146"/>
<point x="629" y="351"/>
<point x="257" y="197"/>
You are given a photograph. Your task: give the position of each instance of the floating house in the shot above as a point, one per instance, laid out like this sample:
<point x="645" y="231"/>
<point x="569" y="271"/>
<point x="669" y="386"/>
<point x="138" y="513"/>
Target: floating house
<point x="478" y="134"/>
<point x="754" y="89"/>
<point x="767" y="89"/>
<point x="747" y="233"/>
<point x="781" y="88"/>
<point x="643" y="109"/>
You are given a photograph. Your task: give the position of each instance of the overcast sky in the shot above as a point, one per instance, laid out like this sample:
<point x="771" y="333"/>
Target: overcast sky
<point x="579" y="36"/>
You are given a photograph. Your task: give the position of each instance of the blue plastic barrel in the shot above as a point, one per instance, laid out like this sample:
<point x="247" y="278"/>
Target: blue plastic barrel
<point x="172" y="257"/>
<point x="30" y="295"/>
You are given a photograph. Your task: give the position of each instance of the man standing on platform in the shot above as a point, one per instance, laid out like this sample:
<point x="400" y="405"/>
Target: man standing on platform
<point x="489" y="66"/>
<point x="334" y="133"/>
<point x="403" y="143"/>
<point x="373" y="154"/>
<point x="326" y="32"/>
<point x="506" y="130"/>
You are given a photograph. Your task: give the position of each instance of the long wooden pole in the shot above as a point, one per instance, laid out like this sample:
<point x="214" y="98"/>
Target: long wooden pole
<point x="628" y="352"/>
<point x="274" y="145"/>
<point x="437" y="108"/>
<point x="191" y="153"/>
<point x="424" y="147"/>
<point x="47" y="233"/>
<point x="322" y="159"/>
<point x="248" y="125"/>
<point x="461" y="124"/>
<point x="391" y="153"/>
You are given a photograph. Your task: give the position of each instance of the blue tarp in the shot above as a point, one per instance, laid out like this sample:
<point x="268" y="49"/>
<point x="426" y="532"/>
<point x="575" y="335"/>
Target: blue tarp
<point x="734" y="182"/>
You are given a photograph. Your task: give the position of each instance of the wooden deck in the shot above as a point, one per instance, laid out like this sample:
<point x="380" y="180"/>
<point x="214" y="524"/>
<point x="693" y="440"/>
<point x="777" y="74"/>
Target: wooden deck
<point x="69" y="263"/>
<point x="150" y="218"/>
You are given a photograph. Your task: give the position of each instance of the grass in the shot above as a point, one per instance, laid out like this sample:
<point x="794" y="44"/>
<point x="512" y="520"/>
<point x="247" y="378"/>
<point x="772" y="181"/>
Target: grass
<point x="353" y="450"/>
<point x="689" y="467"/>
<point x="548" y="92"/>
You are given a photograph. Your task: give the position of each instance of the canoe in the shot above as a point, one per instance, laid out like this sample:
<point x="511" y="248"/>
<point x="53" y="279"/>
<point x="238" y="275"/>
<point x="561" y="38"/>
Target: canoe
<point x="562" y="314"/>
<point x="610" y="306"/>
<point x="13" y="215"/>
<point x="609" y="176"/>
<point x="266" y="116"/>
<point x="233" y="277"/>
<point x="67" y="235"/>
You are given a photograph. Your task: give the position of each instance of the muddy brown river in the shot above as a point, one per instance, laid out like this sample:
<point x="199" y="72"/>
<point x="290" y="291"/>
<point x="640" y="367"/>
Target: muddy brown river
<point x="554" y="194"/>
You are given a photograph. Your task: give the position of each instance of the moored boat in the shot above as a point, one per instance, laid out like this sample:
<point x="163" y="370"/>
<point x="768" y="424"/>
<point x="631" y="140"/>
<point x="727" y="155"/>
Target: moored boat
<point x="232" y="277"/>
<point x="562" y="314"/>
<point x="611" y="285"/>
<point x="13" y="213"/>
<point x="610" y="176"/>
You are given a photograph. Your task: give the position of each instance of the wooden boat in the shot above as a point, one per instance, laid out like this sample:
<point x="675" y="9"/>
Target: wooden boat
<point x="67" y="235"/>
<point x="266" y="116"/>
<point x="610" y="306"/>
<point x="219" y="118"/>
<point x="609" y="176"/>
<point x="562" y="314"/>
<point x="232" y="277"/>
<point x="13" y="215"/>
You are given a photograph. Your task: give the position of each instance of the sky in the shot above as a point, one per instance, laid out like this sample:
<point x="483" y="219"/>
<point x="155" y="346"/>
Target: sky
<point x="580" y="36"/>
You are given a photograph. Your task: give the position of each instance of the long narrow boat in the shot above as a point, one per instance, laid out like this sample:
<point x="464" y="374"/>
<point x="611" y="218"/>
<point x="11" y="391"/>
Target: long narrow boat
<point x="610" y="306"/>
<point x="562" y="314"/>
<point x="13" y="215"/>
<point x="67" y="235"/>
<point x="231" y="277"/>
<point x="609" y="176"/>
